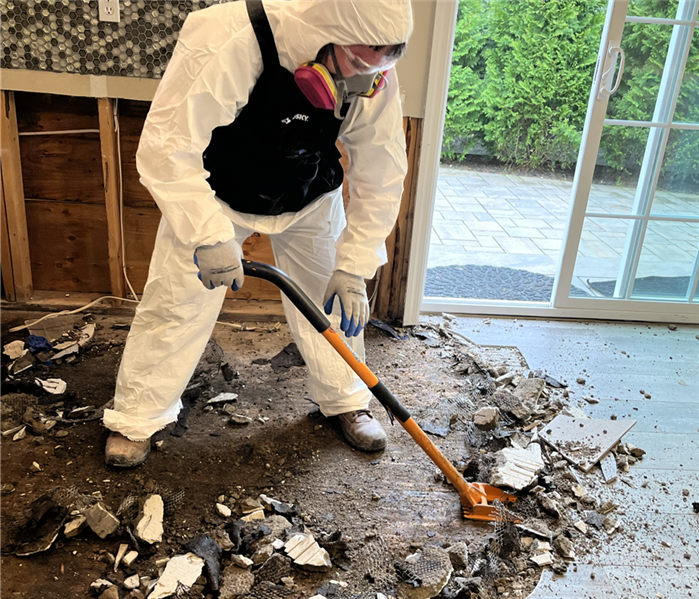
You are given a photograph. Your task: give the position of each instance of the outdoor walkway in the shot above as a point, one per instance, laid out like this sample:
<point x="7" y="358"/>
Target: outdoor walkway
<point x="518" y="222"/>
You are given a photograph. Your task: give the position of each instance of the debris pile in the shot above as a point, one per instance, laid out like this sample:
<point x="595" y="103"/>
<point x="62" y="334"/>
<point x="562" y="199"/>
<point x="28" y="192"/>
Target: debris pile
<point x="525" y="434"/>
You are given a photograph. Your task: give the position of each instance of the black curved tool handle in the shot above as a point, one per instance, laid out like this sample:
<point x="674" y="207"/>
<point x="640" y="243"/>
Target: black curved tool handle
<point x="297" y="296"/>
<point x="321" y="324"/>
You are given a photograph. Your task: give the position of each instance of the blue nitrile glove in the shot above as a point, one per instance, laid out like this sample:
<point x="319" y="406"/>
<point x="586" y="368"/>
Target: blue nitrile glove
<point x="351" y="290"/>
<point x="220" y="265"/>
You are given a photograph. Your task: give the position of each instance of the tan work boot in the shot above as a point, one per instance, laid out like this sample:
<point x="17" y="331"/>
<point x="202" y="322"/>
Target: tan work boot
<point x="124" y="453"/>
<point x="363" y="431"/>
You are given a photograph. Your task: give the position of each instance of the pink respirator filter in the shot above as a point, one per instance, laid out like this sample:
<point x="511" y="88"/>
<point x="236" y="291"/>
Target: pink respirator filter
<point x="318" y="87"/>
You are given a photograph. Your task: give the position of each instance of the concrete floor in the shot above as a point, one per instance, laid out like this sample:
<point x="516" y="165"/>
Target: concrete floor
<point x="618" y="360"/>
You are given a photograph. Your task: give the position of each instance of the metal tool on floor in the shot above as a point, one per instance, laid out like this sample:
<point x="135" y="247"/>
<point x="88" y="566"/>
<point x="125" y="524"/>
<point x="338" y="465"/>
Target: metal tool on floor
<point x="476" y="498"/>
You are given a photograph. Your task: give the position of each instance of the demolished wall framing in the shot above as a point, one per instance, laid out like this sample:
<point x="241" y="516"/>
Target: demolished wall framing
<point x="64" y="160"/>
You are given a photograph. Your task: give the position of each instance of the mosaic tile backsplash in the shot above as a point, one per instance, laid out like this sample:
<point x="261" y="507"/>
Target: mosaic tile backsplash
<point x="67" y="36"/>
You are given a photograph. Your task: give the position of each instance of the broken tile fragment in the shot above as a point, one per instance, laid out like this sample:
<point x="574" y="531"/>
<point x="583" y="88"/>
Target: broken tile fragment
<point x="581" y="526"/>
<point x="149" y="526"/>
<point x="181" y="570"/>
<point x="516" y="468"/>
<point x="545" y="559"/>
<point x="123" y="548"/>
<point x="129" y="558"/>
<point x="258" y="514"/>
<point x="307" y="554"/>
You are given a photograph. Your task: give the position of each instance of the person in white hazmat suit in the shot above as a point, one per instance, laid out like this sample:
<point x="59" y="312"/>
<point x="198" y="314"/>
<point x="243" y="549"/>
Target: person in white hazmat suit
<point x="240" y="138"/>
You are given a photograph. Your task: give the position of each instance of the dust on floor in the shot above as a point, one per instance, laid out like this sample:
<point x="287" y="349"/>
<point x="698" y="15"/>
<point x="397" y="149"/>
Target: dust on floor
<point x="386" y="505"/>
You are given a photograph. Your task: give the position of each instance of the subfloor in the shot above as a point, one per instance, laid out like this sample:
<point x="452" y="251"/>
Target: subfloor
<point x="391" y="502"/>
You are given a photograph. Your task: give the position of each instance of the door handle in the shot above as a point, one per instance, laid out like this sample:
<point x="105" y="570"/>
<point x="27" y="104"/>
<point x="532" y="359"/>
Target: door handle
<point x="612" y="51"/>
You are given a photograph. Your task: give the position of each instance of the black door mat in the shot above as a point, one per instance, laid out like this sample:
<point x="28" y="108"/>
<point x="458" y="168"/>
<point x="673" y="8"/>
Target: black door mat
<point x="491" y="282"/>
<point x="647" y="286"/>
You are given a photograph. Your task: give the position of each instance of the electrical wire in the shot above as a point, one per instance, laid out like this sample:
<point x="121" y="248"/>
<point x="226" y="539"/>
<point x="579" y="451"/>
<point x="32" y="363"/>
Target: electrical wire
<point x="233" y="325"/>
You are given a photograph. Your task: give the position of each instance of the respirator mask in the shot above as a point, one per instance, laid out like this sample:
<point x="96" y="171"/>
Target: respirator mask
<point x="329" y="91"/>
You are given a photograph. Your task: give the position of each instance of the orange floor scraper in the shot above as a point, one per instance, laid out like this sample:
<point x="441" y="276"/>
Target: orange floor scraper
<point x="476" y="498"/>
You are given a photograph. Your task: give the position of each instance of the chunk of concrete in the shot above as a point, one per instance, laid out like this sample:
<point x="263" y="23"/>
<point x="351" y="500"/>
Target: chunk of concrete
<point x="550" y="506"/>
<point x="149" y="526"/>
<point x="223" y="510"/>
<point x="487" y="418"/>
<point x="262" y="554"/>
<point x="100" y="585"/>
<point x="307" y="554"/>
<point x="101" y="520"/>
<point x="180" y="570"/>
<point x="564" y="547"/>
<point x="75" y="526"/>
<point x="241" y="561"/>
<point x="132" y="582"/>
<point x="530" y="389"/>
<point x="423" y="575"/>
<point x="458" y="554"/>
<point x="236" y="581"/>
<point x="110" y="593"/>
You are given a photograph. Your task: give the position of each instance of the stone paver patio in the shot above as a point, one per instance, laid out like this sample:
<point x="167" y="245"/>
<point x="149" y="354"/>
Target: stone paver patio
<point x="516" y="221"/>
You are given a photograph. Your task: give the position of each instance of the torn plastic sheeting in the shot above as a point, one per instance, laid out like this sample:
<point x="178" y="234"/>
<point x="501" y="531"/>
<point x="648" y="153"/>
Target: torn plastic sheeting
<point x="181" y="570"/>
<point x="388" y="328"/>
<point x="207" y="549"/>
<point x="54" y="386"/>
<point x="37" y="344"/>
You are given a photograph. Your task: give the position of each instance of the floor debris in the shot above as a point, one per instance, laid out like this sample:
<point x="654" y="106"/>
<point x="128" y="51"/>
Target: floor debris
<point x="517" y="468"/>
<point x="306" y="552"/>
<point x="101" y="520"/>
<point x="584" y="441"/>
<point x="55" y="386"/>
<point x="180" y="571"/>
<point x="149" y="526"/>
<point x="423" y="575"/>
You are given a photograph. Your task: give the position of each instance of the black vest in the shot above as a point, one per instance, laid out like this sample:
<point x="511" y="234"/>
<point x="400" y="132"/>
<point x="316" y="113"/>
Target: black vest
<point x="279" y="155"/>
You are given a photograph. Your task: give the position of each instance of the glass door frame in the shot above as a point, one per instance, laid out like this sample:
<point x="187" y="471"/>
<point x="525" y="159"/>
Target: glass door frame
<point x="562" y="306"/>
<point x="605" y="79"/>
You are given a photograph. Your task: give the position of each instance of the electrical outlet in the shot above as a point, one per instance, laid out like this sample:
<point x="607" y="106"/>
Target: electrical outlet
<point x="109" y="11"/>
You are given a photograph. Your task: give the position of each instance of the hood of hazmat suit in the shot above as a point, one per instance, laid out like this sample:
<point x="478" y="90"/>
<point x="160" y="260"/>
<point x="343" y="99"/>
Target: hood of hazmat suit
<point x="208" y="81"/>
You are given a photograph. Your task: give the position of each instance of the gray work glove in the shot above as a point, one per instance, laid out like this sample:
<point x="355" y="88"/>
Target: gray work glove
<point x="220" y="265"/>
<point x="351" y="290"/>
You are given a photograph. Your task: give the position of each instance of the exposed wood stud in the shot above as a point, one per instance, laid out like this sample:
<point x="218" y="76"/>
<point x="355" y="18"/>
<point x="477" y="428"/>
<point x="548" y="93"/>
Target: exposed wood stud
<point x="13" y="192"/>
<point x="7" y="276"/>
<point x="390" y="303"/>
<point x="110" y="170"/>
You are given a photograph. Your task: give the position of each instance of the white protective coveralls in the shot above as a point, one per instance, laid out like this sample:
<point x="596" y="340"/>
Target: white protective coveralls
<point x="214" y="68"/>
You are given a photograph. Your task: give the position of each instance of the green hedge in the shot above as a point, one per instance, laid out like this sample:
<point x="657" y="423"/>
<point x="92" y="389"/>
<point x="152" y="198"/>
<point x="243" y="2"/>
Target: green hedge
<point x="521" y="76"/>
